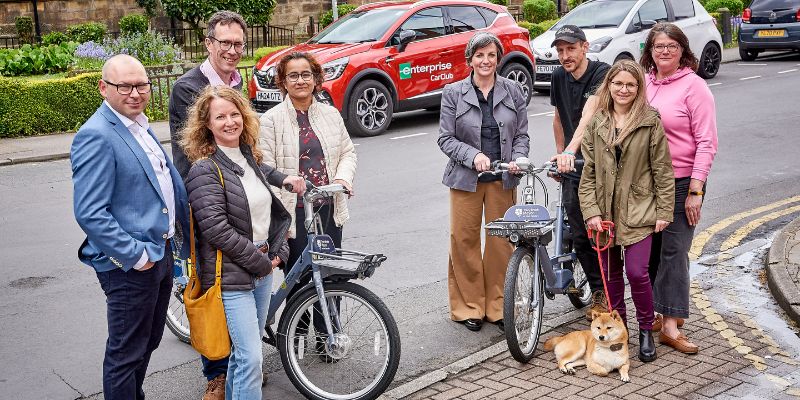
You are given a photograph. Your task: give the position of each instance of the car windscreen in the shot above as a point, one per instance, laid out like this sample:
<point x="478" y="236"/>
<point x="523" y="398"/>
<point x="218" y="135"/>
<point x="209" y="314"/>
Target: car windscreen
<point x="774" y="5"/>
<point x="357" y="27"/>
<point x="597" y="14"/>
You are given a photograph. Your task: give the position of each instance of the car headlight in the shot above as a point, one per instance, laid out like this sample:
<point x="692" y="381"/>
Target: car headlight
<point x="335" y="68"/>
<point x="599" y="44"/>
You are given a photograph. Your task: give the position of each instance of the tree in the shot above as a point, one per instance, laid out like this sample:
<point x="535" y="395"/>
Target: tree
<point x="149" y="6"/>
<point x="197" y="12"/>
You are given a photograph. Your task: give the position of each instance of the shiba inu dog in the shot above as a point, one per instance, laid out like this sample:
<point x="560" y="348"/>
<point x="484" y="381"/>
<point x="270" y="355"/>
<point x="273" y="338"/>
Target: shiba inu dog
<point x="602" y="349"/>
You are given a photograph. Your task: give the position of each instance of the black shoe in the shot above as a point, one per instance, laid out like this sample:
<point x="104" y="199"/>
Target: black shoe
<point x="500" y="324"/>
<point x="473" y="324"/>
<point x="647" y="346"/>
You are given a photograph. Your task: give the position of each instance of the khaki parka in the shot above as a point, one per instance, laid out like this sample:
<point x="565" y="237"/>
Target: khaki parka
<point x="641" y="189"/>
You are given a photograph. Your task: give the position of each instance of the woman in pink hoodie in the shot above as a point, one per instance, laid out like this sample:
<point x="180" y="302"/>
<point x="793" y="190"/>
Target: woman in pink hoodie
<point x="688" y="114"/>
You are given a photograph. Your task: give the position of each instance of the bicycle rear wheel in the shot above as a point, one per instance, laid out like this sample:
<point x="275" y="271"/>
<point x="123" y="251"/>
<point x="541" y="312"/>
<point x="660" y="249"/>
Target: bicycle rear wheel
<point x="581" y="299"/>
<point x="365" y="360"/>
<point x="523" y="300"/>
<point x="177" y="322"/>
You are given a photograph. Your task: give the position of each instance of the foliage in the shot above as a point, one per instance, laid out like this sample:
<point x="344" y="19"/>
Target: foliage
<point x="571" y="4"/>
<point x="38" y="107"/>
<point x="735" y="6"/>
<point x="499" y="2"/>
<point x="24" y="27"/>
<point x="133" y="23"/>
<point x="343" y="9"/>
<point x="537" y="29"/>
<point x="87" y="31"/>
<point x="539" y="10"/>
<point x="151" y="48"/>
<point x="149" y="6"/>
<point x="36" y="60"/>
<point x="197" y="12"/>
<point x="54" y="37"/>
<point x="261" y="52"/>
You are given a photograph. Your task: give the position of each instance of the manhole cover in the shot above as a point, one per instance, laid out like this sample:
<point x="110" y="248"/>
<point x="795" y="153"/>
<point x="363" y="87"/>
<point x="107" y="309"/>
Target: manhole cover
<point x="31" y="282"/>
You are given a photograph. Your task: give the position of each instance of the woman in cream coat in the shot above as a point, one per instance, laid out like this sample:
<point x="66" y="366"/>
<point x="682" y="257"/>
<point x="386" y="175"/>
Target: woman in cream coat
<point x="304" y="137"/>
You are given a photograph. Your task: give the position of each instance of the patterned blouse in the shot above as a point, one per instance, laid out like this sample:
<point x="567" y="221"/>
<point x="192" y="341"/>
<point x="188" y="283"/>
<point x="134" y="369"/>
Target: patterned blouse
<point x="312" y="159"/>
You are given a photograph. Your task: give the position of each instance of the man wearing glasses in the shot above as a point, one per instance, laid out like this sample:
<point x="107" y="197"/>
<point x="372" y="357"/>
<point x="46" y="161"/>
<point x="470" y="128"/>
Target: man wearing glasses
<point x="225" y="42"/>
<point x="132" y="205"/>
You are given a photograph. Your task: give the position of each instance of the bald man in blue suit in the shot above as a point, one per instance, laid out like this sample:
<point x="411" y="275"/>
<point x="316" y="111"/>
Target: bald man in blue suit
<point x="130" y="201"/>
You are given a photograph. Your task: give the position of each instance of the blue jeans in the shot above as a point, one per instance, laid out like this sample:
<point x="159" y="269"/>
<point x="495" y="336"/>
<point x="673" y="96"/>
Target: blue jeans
<point x="246" y="314"/>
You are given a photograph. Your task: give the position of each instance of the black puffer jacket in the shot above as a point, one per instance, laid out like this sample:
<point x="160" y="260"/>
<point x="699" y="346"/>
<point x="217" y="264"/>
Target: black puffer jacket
<point x="223" y="221"/>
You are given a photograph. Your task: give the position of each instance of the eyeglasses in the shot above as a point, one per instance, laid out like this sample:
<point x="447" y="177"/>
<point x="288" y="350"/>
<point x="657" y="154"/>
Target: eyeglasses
<point x="672" y="47"/>
<point x="294" y="76"/>
<point x="616" y="85"/>
<point x="125" y="88"/>
<point x="226" y="45"/>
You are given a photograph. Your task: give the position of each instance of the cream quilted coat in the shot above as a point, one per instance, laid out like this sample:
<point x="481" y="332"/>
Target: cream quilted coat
<point x="280" y="142"/>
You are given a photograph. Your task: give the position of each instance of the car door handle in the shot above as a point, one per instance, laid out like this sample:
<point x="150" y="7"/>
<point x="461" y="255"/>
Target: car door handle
<point x="445" y="52"/>
<point x="389" y="59"/>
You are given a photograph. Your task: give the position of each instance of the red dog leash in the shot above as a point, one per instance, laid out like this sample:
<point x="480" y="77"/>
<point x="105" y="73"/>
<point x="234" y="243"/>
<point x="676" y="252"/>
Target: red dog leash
<point x="595" y="237"/>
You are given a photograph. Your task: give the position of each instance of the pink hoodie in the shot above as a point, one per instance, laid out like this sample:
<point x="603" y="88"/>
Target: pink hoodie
<point x="689" y="116"/>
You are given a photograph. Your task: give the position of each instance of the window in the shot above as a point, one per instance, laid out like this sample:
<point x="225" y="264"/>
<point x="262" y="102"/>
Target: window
<point x="683" y="8"/>
<point x="769" y="5"/>
<point x="488" y="15"/>
<point x="653" y="10"/>
<point x="465" y="19"/>
<point x="427" y="23"/>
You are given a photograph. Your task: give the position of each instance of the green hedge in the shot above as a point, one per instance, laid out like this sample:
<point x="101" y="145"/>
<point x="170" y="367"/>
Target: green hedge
<point x="735" y="6"/>
<point x="571" y="4"/>
<point x="39" y="107"/>
<point x="54" y="37"/>
<point x="539" y="10"/>
<point x="133" y="23"/>
<point x="537" y="29"/>
<point x="24" y="27"/>
<point x="499" y="2"/>
<point x="260" y="52"/>
<point x="87" y="31"/>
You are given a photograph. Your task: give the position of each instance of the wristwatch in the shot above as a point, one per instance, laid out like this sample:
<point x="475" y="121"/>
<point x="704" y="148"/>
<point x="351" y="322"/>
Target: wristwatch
<point x="696" y="192"/>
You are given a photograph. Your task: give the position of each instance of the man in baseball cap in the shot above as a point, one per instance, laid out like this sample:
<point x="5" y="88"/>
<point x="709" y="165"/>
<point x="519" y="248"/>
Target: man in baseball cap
<point x="570" y="34"/>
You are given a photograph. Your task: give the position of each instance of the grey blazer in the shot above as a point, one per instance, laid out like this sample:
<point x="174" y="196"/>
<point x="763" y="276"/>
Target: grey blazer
<point x="460" y="130"/>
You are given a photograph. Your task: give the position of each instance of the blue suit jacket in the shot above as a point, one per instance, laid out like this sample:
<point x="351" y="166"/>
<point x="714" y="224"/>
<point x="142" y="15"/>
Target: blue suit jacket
<point x="118" y="201"/>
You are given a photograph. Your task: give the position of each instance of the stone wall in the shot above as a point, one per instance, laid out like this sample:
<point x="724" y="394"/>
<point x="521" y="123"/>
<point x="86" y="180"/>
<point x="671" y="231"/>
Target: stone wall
<point x="58" y="14"/>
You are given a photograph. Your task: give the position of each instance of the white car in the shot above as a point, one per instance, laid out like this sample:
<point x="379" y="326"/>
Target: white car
<point x="617" y="29"/>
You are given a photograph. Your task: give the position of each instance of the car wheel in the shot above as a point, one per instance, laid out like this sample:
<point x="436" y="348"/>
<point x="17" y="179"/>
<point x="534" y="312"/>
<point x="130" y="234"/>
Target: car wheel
<point x="709" y="61"/>
<point x="518" y="73"/>
<point x="370" y="109"/>
<point x="747" y="55"/>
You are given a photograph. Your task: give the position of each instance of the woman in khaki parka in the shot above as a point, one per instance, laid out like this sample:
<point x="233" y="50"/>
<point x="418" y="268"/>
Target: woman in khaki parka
<point x="628" y="179"/>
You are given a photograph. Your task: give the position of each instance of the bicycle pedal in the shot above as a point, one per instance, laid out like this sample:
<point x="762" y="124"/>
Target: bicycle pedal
<point x="573" y="290"/>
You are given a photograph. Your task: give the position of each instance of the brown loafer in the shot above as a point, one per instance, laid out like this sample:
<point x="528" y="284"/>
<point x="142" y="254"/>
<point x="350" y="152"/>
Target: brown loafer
<point x="680" y="343"/>
<point x="658" y="323"/>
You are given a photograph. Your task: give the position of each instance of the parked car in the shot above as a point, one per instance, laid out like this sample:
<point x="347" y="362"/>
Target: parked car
<point x="769" y="25"/>
<point x="617" y="29"/>
<point x="387" y="57"/>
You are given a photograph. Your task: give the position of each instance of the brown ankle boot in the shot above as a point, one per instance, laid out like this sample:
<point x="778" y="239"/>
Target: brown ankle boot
<point x="215" y="389"/>
<point x="598" y="305"/>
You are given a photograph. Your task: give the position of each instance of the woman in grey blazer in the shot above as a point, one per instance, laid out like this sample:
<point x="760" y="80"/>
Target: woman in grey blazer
<point x="483" y="119"/>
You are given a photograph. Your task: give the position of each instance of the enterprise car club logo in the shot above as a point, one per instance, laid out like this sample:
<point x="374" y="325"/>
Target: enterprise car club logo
<point x="407" y="70"/>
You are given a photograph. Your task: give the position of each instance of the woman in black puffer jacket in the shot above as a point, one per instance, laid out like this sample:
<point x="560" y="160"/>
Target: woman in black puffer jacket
<point x="240" y="216"/>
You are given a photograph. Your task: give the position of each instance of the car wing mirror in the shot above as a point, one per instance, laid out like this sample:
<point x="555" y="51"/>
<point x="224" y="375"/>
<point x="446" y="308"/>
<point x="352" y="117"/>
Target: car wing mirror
<point x="640" y="26"/>
<point x="406" y="36"/>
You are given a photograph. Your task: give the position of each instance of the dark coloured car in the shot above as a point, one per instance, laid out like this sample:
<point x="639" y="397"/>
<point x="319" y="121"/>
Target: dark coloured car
<point x="769" y="25"/>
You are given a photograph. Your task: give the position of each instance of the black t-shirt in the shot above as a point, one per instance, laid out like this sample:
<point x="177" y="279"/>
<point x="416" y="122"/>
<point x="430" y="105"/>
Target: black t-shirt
<point x="569" y="96"/>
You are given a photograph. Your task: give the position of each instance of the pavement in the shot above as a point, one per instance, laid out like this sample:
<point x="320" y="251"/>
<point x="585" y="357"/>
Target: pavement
<point x="783" y="270"/>
<point x="56" y="147"/>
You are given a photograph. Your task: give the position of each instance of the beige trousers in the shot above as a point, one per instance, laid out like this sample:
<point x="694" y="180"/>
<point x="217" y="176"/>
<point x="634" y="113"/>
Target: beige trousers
<point x="475" y="280"/>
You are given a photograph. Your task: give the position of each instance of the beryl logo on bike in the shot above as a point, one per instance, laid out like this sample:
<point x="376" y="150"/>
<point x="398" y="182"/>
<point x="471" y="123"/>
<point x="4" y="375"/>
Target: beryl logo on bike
<point x="323" y="244"/>
<point x="527" y="213"/>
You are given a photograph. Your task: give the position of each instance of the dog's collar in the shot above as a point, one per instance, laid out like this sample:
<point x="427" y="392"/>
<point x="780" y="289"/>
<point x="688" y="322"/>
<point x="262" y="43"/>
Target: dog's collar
<point x="615" y="347"/>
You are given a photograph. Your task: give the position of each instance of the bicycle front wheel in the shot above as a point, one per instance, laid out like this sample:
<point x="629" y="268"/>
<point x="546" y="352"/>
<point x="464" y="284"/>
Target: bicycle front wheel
<point x="177" y="322"/>
<point x="366" y="351"/>
<point x="523" y="301"/>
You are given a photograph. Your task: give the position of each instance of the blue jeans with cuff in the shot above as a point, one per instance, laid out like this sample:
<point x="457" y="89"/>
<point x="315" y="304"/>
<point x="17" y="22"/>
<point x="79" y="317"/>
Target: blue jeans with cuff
<point x="246" y="314"/>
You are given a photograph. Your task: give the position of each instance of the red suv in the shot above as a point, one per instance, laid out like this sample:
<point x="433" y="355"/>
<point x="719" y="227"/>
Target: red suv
<point x="388" y="57"/>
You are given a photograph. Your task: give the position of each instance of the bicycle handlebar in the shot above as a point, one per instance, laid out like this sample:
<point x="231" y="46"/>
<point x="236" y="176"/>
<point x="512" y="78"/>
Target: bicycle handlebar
<point x="323" y="191"/>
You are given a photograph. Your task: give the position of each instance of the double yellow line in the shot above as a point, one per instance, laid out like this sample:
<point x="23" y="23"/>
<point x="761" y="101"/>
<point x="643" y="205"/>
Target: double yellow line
<point x="702" y="238"/>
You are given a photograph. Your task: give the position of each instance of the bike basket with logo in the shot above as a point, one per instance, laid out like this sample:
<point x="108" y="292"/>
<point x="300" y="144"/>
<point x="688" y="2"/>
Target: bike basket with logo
<point x="527" y="220"/>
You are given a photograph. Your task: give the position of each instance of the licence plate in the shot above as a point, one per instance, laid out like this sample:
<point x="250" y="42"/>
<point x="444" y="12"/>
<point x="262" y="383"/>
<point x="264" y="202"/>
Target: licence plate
<point x="271" y="95"/>
<point x="546" y="69"/>
<point x="771" y="33"/>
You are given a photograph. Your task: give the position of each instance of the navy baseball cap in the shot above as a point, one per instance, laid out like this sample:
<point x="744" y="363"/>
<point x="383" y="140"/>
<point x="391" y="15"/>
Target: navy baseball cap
<point x="569" y="33"/>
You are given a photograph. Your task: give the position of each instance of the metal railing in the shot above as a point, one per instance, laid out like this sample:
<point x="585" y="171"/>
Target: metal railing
<point x="9" y="42"/>
<point x="162" y="88"/>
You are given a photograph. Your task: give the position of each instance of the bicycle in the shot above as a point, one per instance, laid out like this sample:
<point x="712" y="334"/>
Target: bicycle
<point x="357" y="354"/>
<point x="532" y="273"/>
